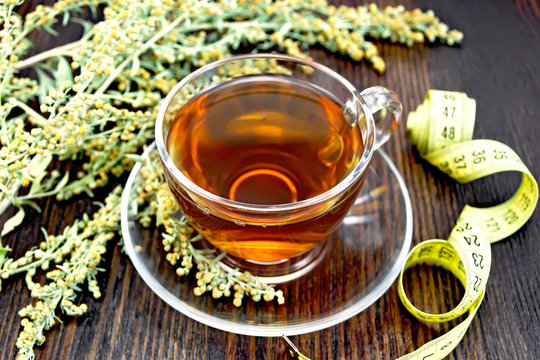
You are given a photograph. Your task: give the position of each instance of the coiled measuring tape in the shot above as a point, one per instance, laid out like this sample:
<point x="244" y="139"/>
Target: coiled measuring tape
<point x="442" y="129"/>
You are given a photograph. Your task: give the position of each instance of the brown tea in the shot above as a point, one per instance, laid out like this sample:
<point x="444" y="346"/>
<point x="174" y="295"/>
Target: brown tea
<point x="264" y="140"/>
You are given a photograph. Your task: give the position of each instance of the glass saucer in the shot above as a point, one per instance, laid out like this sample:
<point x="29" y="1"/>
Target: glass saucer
<point x="364" y="257"/>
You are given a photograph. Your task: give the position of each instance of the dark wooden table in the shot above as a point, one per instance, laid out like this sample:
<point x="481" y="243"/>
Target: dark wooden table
<point x="498" y="64"/>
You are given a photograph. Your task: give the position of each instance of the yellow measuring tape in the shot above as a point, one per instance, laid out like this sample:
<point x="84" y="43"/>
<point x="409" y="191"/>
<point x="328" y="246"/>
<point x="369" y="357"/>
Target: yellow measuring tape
<point x="442" y="128"/>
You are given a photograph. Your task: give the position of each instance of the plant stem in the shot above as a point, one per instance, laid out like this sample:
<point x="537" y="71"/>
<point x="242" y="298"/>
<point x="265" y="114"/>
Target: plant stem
<point x="231" y="24"/>
<point x="38" y="195"/>
<point x="38" y="119"/>
<point x="137" y="53"/>
<point x="57" y="51"/>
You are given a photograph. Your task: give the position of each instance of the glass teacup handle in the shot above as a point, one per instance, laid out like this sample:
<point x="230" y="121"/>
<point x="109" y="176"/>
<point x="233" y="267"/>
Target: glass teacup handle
<point x="386" y="109"/>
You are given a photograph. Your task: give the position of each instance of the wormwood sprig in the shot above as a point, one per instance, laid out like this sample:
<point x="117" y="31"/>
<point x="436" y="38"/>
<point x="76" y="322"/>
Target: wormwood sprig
<point x="99" y="107"/>
<point x="13" y="37"/>
<point x="97" y="102"/>
<point x="156" y="200"/>
<point x="73" y="257"/>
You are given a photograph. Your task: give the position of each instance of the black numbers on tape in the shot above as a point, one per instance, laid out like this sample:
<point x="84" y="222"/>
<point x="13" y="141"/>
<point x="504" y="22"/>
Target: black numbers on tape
<point x="450" y="97"/>
<point x="510" y="216"/>
<point x="479" y="156"/>
<point x="426" y="251"/>
<point x="477" y="259"/>
<point x="460" y="160"/>
<point x="464" y="227"/>
<point x="473" y="239"/>
<point x="449" y="111"/>
<point x="500" y="154"/>
<point x="477" y="283"/>
<point x="492" y="224"/>
<point x="445" y="166"/>
<point x="446" y="253"/>
<point x="449" y="132"/>
<point x="524" y="202"/>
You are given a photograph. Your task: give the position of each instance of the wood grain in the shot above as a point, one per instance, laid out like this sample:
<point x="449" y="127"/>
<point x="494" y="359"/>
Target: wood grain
<point x="498" y="64"/>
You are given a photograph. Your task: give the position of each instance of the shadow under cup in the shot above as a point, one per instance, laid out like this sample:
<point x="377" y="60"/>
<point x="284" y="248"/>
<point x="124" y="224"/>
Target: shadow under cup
<point x="203" y="149"/>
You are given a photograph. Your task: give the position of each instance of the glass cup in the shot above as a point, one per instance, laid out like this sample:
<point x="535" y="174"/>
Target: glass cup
<point x="286" y="237"/>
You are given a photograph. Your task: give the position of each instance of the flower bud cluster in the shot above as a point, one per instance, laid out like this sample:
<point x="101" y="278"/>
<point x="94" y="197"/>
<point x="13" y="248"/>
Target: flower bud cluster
<point x="156" y="200"/>
<point x="75" y="255"/>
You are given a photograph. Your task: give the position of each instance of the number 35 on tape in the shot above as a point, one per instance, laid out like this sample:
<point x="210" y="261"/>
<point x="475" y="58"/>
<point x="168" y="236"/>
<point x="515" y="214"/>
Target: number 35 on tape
<point x="442" y="128"/>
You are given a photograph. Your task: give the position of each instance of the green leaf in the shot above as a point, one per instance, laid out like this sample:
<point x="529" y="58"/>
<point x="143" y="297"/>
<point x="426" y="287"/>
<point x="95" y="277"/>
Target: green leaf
<point x="38" y="165"/>
<point x="65" y="18"/>
<point x="134" y="157"/>
<point x="36" y="183"/>
<point x="93" y="10"/>
<point x="284" y="30"/>
<point x="135" y="66"/>
<point x="46" y="84"/>
<point x="32" y="204"/>
<point x="63" y="268"/>
<point x="87" y="25"/>
<point x="3" y="253"/>
<point x="63" y="72"/>
<point x="62" y="183"/>
<point x="50" y="30"/>
<point x="13" y="222"/>
<point x="51" y="180"/>
<point x="219" y="23"/>
<point x="88" y="192"/>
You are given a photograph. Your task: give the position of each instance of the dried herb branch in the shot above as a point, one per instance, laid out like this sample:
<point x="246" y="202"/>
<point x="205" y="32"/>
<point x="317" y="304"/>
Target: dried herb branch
<point x="76" y="255"/>
<point x="142" y="53"/>
<point x="98" y="99"/>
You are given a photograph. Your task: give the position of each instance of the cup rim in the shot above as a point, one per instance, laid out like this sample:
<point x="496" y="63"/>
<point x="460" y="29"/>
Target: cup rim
<point x="331" y="193"/>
